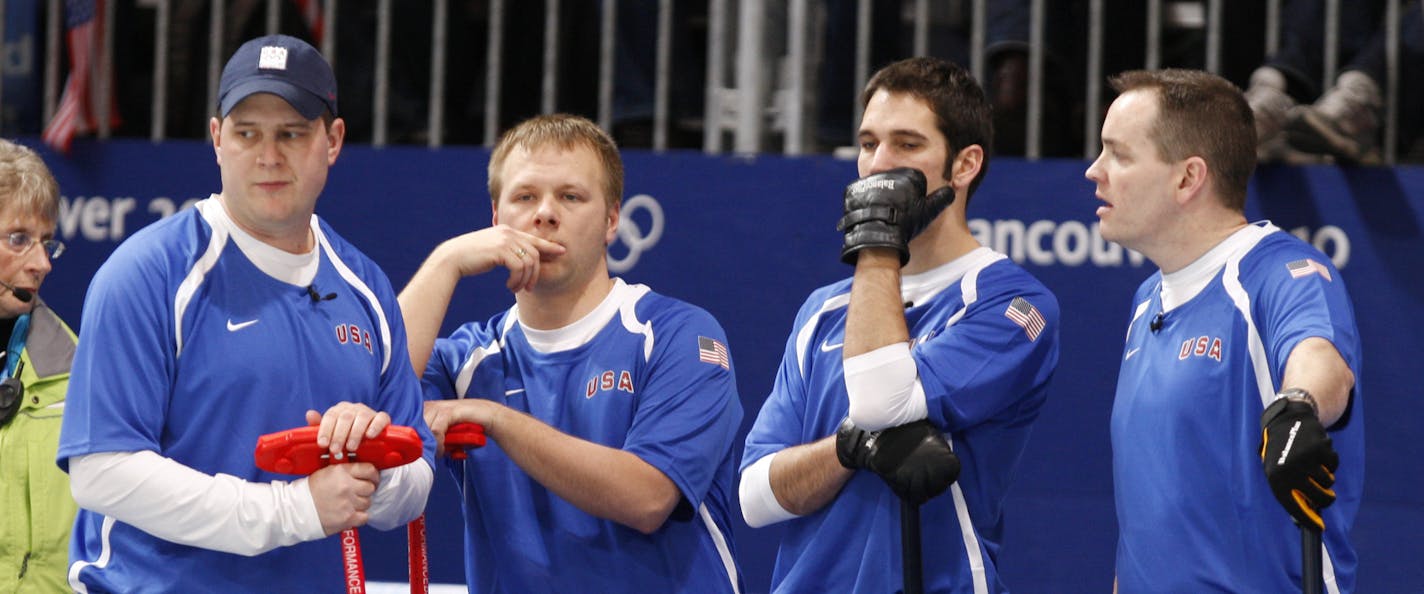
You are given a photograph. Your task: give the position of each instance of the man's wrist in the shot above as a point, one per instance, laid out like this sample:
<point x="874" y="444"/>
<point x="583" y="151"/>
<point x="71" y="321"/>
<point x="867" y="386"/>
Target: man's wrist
<point x="879" y="256"/>
<point x="1300" y="395"/>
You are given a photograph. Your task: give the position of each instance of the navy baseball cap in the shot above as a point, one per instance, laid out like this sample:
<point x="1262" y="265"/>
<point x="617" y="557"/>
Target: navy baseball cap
<point x="283" y="66"/>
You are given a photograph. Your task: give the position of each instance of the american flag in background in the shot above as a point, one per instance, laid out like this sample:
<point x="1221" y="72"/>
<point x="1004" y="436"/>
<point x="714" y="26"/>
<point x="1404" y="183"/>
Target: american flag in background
<point x="1026" y="316"/>
<point x="713" y="351"/>
<point x="76" y="112"/>
<point x="1307" y="267"/>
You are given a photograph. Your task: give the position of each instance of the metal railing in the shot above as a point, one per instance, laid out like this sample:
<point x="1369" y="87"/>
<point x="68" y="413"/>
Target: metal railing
<point x="756" y="90"/>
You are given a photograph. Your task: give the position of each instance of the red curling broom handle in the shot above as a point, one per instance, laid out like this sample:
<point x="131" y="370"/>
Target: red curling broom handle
<point x="353" y="570"/>
<point x="419" y="561"/>
<point x="458" y="439"/>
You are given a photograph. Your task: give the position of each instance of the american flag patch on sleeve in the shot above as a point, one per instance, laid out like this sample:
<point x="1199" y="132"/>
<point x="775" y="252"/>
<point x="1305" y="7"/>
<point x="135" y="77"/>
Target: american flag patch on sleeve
<point x="1026" y="316"/>
<point x="1307" y="267"/>
<point x="712" y="351"/>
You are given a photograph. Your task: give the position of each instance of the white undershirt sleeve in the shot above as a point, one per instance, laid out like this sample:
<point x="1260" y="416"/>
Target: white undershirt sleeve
<point x="759" y="504"/>
<point x="179" y="504"/>
<point x="401" y="495"/>
<point x="884" y="388"/>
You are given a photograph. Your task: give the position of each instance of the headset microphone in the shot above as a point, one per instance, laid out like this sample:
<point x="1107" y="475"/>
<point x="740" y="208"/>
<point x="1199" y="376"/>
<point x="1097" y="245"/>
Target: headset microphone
<point x="22" y="294"/>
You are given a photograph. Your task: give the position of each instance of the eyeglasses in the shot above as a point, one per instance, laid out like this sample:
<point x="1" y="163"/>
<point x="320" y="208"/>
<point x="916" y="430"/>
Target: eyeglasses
<point x="20" y="243"/>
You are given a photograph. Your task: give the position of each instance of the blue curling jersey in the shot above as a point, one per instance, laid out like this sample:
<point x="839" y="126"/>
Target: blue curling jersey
<point x="193" y="352"/>
<point x="642" y="372"/>
<point x="1194" y="510"/>
<point x="985" y="342"/>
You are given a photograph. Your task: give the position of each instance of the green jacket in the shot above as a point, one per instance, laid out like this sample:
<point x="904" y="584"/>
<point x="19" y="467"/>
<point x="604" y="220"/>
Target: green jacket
<point x="36" y="509"/>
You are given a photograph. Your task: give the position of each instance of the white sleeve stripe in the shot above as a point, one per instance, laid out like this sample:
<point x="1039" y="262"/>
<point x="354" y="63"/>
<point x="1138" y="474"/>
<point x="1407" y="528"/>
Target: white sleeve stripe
<point x="179" y="504"/>
<point x="102" y="562"/>
<point x="628" y="315"/>
<point x="1141" y="309"/>
<point x="759" y="505"/>
<point x="971" y="541"/>
<point x="883" y="387"/>
<point x="803" y="337"/>
<point x="723" y="551"/>
<point x="966" y="531"/>
<point x="467" y="371"/>
<point x="195" y="277"/>
<point x="360" y="286"/>
<point x="1328" y="570"/>
<point x="1231" y="279"/>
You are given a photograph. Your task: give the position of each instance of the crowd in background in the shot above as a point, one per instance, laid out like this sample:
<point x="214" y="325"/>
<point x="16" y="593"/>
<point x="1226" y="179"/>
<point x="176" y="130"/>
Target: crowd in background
<point x="1300" y="119"/>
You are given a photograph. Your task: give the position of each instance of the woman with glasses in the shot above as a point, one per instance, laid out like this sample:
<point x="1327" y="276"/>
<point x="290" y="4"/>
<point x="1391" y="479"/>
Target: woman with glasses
<point x="37" y="350"/>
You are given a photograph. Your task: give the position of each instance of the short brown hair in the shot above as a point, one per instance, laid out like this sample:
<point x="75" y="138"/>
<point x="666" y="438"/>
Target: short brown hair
<point x="565" y="132"/>
<point x="26" y="183"/>
<point x="1201" y="114"/>
<point x="961" y="110"/>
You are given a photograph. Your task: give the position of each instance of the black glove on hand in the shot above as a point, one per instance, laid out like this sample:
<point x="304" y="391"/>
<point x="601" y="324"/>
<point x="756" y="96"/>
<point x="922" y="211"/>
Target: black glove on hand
<point x="915" y="460"/>
<point x="853" y="445"/>
<point x="1299" y="460"/>
<point x="887" y="210"/>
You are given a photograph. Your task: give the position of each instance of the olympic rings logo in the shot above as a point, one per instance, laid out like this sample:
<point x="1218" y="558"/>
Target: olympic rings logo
<point x="632" y="235"/>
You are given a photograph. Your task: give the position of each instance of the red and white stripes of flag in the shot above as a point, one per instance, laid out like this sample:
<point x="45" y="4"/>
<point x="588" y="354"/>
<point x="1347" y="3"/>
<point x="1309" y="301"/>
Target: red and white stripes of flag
<point x="1026" y="316"/>
<point x="712" y="351"/>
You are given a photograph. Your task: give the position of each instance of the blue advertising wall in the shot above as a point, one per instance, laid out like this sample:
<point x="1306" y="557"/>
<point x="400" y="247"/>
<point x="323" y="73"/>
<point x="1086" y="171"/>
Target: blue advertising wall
<point x="749" y="238"/>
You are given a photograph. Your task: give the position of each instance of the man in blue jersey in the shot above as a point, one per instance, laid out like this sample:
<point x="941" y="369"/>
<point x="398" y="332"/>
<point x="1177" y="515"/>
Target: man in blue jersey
<point x="932" y="329"/>
<point x="242" y="316"/>
<point x="610" y="409"/>
<point x="1242" y="352"/>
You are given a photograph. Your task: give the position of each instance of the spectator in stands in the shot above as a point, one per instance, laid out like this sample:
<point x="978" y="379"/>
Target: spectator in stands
<point x="1343" y="122"/>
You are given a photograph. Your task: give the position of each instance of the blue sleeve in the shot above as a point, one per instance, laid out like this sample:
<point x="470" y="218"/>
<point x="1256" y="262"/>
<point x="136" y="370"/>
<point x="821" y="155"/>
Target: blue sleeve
<point x="986" y="362"/>
<point x="400" y="391"/>
<point x="450" y="355"/>
<point x="123" y="370"/>
<point x="1292" y="308"/>
<point x="688" y="411"/>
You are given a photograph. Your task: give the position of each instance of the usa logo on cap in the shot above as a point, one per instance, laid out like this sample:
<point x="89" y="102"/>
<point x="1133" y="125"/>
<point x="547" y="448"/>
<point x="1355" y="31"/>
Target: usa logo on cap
<point x="272" y="58"/>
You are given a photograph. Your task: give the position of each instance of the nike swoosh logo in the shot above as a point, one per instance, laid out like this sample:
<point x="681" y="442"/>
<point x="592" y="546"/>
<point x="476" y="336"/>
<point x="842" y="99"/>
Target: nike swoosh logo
<point x="827" y="347"/>
<point x="1131" y="353"/>
<point x="513" y="392"/>
<point x="231" y="327"/>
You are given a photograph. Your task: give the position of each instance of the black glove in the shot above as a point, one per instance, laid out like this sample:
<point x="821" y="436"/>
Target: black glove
<point x="1299" y="460"/>
<point x="915" y="460"/>
<point x="852" y="445"/>
<point x="887" y="210"/>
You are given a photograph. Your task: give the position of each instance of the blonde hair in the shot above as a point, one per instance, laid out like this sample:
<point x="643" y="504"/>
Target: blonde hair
<point x="26" y="184"/>
<point x="565" y="132"/>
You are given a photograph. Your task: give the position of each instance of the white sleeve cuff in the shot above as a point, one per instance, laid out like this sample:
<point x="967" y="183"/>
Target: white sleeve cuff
<point x="759" y="504"/>
<point x="884" y="388"/>
<point x="179" y="504"/>
<point x="401" y="495"/>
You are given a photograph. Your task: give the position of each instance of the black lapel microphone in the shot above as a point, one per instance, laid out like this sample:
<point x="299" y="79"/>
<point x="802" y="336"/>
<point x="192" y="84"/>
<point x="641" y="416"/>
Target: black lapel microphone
<point x="23" y="295"/>
<point x="318" y="297"/>
<point x="1156" y="323"/>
